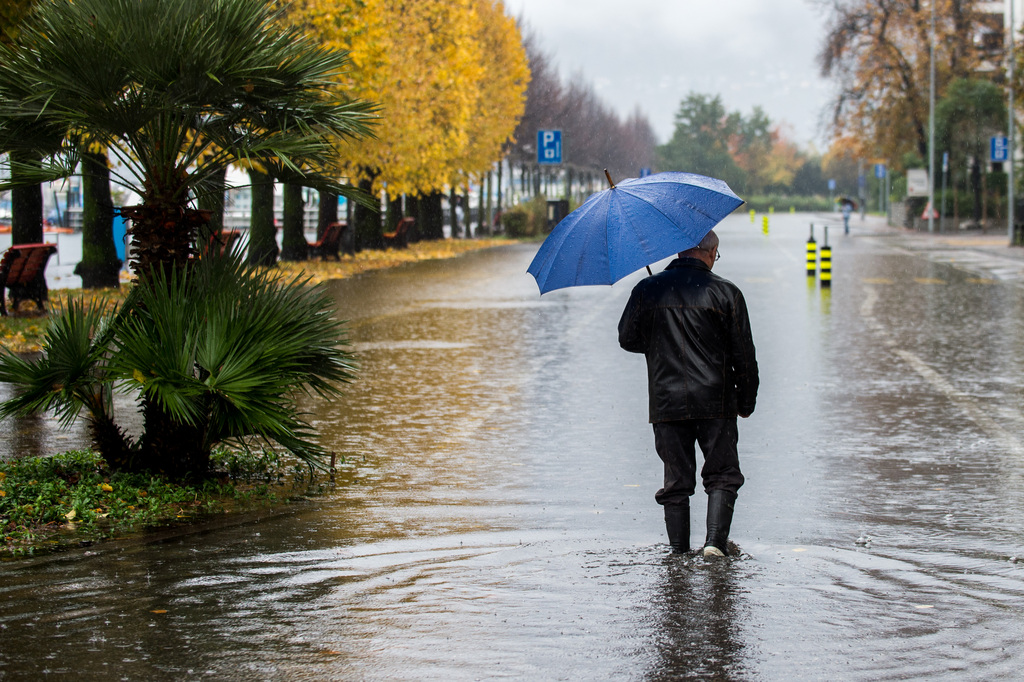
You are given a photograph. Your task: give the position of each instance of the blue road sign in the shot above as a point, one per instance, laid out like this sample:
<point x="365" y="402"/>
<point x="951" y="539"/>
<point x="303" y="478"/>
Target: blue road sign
<point x="879" y="170"/>
<point x="945" y="161"/>
<point x="549" y="146"/>
<point x="644" y="172"/>
<point x="999" y="148"/>
<point x="831" y="184"/>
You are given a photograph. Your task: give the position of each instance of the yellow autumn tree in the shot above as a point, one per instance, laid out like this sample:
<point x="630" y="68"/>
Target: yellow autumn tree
<point x="501" y="95"/>
<point x="12" y="13"/>
<point x="450" y="76"/>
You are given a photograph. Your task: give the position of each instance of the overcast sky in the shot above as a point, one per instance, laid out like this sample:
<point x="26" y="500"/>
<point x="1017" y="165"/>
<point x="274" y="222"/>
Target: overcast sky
<point x="652" y="53"/>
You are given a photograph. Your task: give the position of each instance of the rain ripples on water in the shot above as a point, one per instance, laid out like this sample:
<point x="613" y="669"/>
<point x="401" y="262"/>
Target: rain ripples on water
<point x="494" y="516"/>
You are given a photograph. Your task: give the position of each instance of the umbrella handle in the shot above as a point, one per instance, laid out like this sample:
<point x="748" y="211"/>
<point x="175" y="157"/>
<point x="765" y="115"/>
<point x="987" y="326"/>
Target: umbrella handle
<point x="610" y="183"/>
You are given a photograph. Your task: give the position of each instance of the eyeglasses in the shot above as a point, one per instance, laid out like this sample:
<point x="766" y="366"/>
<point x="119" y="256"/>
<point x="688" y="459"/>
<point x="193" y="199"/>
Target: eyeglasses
<point x="718" y="255"/>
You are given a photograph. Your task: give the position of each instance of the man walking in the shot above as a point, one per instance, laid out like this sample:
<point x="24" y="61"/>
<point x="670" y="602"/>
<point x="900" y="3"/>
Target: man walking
<point x="693" y="328"/>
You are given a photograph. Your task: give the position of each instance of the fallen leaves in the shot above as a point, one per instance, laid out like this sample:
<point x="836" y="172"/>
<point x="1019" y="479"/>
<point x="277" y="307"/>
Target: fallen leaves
<point x="372" y="259"/>
<point x="22" y="334"/>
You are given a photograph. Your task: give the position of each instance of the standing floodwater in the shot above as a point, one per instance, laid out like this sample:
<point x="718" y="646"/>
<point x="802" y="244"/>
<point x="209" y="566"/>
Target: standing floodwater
<point x="494" y="517"/>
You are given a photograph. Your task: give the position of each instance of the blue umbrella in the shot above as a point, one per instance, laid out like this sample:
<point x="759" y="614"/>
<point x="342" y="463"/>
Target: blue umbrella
<point x="621" y="229"/>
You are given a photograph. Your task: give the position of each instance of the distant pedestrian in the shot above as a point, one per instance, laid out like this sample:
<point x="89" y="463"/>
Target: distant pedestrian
<point x="847" y="211"/>
<point x="693" y="328"/>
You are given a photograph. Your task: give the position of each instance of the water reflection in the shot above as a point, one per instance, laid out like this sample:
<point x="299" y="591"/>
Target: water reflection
<point x="494" y="515"/>
<point x="699" y="634"/>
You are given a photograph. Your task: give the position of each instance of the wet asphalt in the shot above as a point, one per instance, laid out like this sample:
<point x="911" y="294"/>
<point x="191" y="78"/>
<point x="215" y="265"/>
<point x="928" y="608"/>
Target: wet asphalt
<point x="494" y="517"/>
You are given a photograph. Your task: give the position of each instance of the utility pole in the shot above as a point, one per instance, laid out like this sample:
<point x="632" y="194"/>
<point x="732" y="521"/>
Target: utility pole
<point x="1011" y="124"/>
<point x="931" y="124"/>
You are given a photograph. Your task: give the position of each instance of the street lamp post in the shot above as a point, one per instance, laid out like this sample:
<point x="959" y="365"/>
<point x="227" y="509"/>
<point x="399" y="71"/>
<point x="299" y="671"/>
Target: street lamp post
<point x="931" y="124"/>
<point x="1011" y="125"/>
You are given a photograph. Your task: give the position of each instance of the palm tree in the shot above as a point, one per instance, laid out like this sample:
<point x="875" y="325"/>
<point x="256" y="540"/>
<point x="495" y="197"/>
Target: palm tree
<point x="176" y="90"/>
<point x="222" y="348"/>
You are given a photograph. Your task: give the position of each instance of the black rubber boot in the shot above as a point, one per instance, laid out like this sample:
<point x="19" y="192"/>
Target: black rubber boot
<point x="677" y="523"/>
<point x="720" y="507"/>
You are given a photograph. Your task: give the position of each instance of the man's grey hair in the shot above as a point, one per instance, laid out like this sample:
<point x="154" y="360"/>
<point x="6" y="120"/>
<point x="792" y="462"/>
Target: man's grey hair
<point x="709" y="243"/>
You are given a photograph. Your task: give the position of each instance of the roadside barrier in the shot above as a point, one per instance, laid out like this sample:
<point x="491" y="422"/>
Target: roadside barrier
<point x="751" y="216"/>
<point x="812" y="255"/>
<point x="826" y="262"/>
<point x="764" y="225"/>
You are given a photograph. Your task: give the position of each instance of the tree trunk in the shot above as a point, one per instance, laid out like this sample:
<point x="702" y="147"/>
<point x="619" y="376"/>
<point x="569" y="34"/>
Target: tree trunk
<point x="433" y="216"/>
<point x="170" y="447"/>
<point x="163" y="231"/>
<point x="976" y="189"/>
<point x="213" y="201"/>
<point x="489" y="217"/>
<point x="369" y="234"/>
<point x="262" y="231"/>
<point x="453" y="216"/>
<point x="498" y="204"/>
<point x="293" y="237"/>
<point x="414" y="209"/>
<point x="327" y="212"/>
<point x="26" y="206"/>
<point x="394" y="212"/>
<point x="100" y="266"/>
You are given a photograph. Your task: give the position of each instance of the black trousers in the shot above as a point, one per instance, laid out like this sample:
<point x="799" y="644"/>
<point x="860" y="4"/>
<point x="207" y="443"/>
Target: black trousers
<point x="675" y="442"/>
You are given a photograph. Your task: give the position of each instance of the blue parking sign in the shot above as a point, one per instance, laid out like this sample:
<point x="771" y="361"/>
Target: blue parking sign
<point x="549" y="146"/>
<point x="999" y="148"/>
<point x="879" y="170"/>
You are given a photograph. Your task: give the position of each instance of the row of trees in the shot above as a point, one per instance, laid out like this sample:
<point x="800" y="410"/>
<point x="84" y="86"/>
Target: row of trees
<point x="449" y="80"/>
<point x="879" y="55"/>
<point x="594" y="136"/>
<point x="177" y="90"/>
<point x="751" y="153"/>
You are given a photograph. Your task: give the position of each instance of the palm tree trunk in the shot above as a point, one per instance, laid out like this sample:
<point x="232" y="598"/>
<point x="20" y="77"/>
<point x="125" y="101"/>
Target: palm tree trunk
<point x="100" y="266"/>
<point x="170" y="447"/>
<point x="293" y="238"/>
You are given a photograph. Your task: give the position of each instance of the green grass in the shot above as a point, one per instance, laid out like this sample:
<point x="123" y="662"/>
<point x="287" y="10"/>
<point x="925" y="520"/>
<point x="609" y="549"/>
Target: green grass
<point x="50" y="503"/>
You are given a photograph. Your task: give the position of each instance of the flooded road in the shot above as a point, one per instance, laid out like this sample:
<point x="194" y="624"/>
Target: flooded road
<point x="494" y="516"/>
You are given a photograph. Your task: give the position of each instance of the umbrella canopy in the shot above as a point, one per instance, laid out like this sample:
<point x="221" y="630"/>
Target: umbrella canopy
<point x="640" y="221"/>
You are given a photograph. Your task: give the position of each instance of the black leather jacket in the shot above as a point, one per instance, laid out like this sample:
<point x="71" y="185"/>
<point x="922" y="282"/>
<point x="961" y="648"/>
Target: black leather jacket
<point x="692" y="326"/>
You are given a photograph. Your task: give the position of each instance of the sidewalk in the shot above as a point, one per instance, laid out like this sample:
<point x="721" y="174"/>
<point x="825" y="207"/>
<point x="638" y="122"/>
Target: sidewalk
<point x="988" y="253"/>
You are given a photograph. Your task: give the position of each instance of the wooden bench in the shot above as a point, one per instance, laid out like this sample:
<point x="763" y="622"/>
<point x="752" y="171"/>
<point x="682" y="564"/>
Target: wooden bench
<point x="23" y="275"/>
<point x="399" y="239"/>
<point x="330" y="241"/>
<point x="222" y="243"/>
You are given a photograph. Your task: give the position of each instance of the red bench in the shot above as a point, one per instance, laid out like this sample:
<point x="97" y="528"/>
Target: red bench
<point x="23" y="274"/>
<point x="223" y="242"/>
<point x="329" y="242"/>
<point x="399" y="239"/>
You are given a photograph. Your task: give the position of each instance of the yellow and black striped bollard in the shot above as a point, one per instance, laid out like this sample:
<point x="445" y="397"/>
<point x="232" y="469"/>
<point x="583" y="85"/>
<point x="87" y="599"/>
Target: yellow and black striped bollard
<point x="826" y="262"/>
<point x="764" y="225"/>
<point x="812" y="255"/>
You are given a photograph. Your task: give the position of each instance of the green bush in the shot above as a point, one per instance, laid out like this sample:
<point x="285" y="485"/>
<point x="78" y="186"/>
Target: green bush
<point x="515" y="221"/>
<point x="782" y="203"/>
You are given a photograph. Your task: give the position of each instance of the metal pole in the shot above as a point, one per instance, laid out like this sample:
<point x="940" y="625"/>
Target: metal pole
<point x="945" y="171"/>
<point x="931" y="124"/>
<point x="1011" y="125"/>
